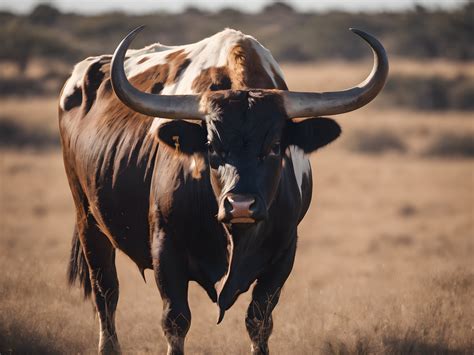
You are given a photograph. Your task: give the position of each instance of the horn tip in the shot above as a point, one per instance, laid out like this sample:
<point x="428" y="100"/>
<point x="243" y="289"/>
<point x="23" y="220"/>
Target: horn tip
<point x="220" y="316"/>
<point x="356" y="31"/>
<point x="136" y="30"/>
<point x="141" y="27"/>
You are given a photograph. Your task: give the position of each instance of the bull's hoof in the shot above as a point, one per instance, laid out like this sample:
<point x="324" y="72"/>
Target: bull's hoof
<point x="109" y="347"/>
<point x="259" y="349"/>
<point x="174" y="351"/>
<point x="175" y="345"/>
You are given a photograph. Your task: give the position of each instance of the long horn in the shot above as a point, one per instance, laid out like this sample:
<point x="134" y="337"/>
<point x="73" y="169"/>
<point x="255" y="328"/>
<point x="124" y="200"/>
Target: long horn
<point x="306" y="104"/>
<point x="165" y="106"/>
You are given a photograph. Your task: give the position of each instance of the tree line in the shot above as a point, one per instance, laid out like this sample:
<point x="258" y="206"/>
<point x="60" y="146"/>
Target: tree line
<point x="290" y="35"/>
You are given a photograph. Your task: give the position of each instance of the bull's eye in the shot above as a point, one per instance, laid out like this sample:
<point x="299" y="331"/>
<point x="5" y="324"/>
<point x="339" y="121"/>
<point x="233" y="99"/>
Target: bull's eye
<point x="275" y="150"/>
<point x="215" y="158"/>
<point x="210" y="148"/>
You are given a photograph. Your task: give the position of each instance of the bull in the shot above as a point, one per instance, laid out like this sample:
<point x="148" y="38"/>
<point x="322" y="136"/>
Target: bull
<point x="192" y="160"/>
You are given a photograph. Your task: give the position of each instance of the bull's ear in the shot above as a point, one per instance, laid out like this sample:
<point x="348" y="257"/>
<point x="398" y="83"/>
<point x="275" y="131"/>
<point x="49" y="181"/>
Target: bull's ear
<point x="312" y="133"/>
<point x="183" y="136"/>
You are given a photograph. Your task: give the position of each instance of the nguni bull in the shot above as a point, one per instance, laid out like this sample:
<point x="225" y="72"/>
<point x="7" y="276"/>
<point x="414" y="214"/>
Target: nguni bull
<point x="192" y="160"/>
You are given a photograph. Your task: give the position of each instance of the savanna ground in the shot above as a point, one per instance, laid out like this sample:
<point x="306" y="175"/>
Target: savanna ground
<point x="385" y="257"/>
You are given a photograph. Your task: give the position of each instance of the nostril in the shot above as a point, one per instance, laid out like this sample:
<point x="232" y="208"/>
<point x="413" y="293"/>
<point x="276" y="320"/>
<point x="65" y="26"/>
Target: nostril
<point x="228" y="205"/>
<point x="239" y="205"/>
<point x="253" y="206"/>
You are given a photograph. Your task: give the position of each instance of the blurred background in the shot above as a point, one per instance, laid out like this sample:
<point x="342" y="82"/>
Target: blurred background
<point x="385" y="259"/>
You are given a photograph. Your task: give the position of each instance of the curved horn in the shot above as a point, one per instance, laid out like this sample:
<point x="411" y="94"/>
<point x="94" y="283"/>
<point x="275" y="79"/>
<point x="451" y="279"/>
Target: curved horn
<point x="306" y="104"/>
<point x="165" y="106"/>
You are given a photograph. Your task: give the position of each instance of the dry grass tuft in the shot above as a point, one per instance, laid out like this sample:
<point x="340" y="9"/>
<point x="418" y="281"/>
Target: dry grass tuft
<point x="375" y="142"/>
<point x="16" y="135"/>
<point x="452" y="145"/>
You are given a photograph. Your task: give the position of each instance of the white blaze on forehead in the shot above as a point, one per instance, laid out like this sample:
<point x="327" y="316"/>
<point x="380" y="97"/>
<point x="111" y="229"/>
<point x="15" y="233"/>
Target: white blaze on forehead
<point x="301" y="166"/>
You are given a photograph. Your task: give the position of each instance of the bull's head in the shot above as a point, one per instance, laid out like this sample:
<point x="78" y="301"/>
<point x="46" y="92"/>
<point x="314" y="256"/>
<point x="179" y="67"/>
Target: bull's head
<point x="245" y="133"/>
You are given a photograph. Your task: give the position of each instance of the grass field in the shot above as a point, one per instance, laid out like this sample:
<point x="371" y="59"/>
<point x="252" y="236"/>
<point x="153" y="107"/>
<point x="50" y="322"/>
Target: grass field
<point x="384" y="264"/>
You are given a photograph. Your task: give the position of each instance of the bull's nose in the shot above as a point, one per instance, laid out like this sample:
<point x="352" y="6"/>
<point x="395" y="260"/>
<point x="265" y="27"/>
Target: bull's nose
<point x="240" y="208"/>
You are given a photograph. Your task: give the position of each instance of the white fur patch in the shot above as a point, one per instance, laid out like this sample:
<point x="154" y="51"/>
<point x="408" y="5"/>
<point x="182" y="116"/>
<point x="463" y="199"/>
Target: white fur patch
<point x="75" y="80"/>
<point x="301" y="165"/>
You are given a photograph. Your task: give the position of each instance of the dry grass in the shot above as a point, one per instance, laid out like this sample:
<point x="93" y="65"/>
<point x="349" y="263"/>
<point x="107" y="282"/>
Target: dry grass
<point x="375" y="141"/>
<point x="384" y="263"/>
<point x="15" y="134"/>
<point x="383" y="281"/>
<point x="34" y="113"/>
<point x="452" y="145"/>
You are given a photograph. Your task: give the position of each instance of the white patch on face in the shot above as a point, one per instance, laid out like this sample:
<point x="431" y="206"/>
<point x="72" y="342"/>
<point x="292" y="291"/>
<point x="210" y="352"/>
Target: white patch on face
<point x="301" y="165"/>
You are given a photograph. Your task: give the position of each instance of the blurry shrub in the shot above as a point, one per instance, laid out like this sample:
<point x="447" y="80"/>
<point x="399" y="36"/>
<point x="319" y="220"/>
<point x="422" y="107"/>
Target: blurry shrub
<point x="12" y="134"/>
<point x="429" y="93"/>
<point x="375" y="142"/>
<point x="289" y="34"/>
<point x="278" y="7"/>
<point x="6" y="16"/>
<point x="21" y="42"/>
<point x="452" y="145"/>
<point x="461" y="96"/>
<point x="293" y="53"/>
<point x="229" y="12"/>
<point x="407" y="210"/>
<point x="194" y="11"/>
<point x="442" y="33"/>
<point x="21" y="86"/>
<point x="50" y="83"/>
<point x="90" y="28"/>
<point x="44" y="14"/>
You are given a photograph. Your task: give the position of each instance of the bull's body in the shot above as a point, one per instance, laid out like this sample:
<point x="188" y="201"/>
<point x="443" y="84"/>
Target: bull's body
<point x="135" y="194"/>
<point x="193" y="166"/>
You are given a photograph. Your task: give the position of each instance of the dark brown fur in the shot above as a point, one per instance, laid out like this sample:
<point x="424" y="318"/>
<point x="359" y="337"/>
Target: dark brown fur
<point x="73" y="100"/>
<point x="246" y="69"/>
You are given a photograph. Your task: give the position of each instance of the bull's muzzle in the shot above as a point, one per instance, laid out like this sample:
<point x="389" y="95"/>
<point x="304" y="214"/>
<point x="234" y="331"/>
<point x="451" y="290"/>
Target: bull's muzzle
<point x="242" y="208"/>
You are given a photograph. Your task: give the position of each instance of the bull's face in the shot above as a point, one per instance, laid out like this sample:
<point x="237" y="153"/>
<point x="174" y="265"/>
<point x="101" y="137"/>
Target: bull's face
<point x="244" y="133"/>
<point x="243" y="140"/>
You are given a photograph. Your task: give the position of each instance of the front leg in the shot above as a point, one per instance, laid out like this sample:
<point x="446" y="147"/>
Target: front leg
<point x="171" y="275"/>
<point x="265" y="296"/>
